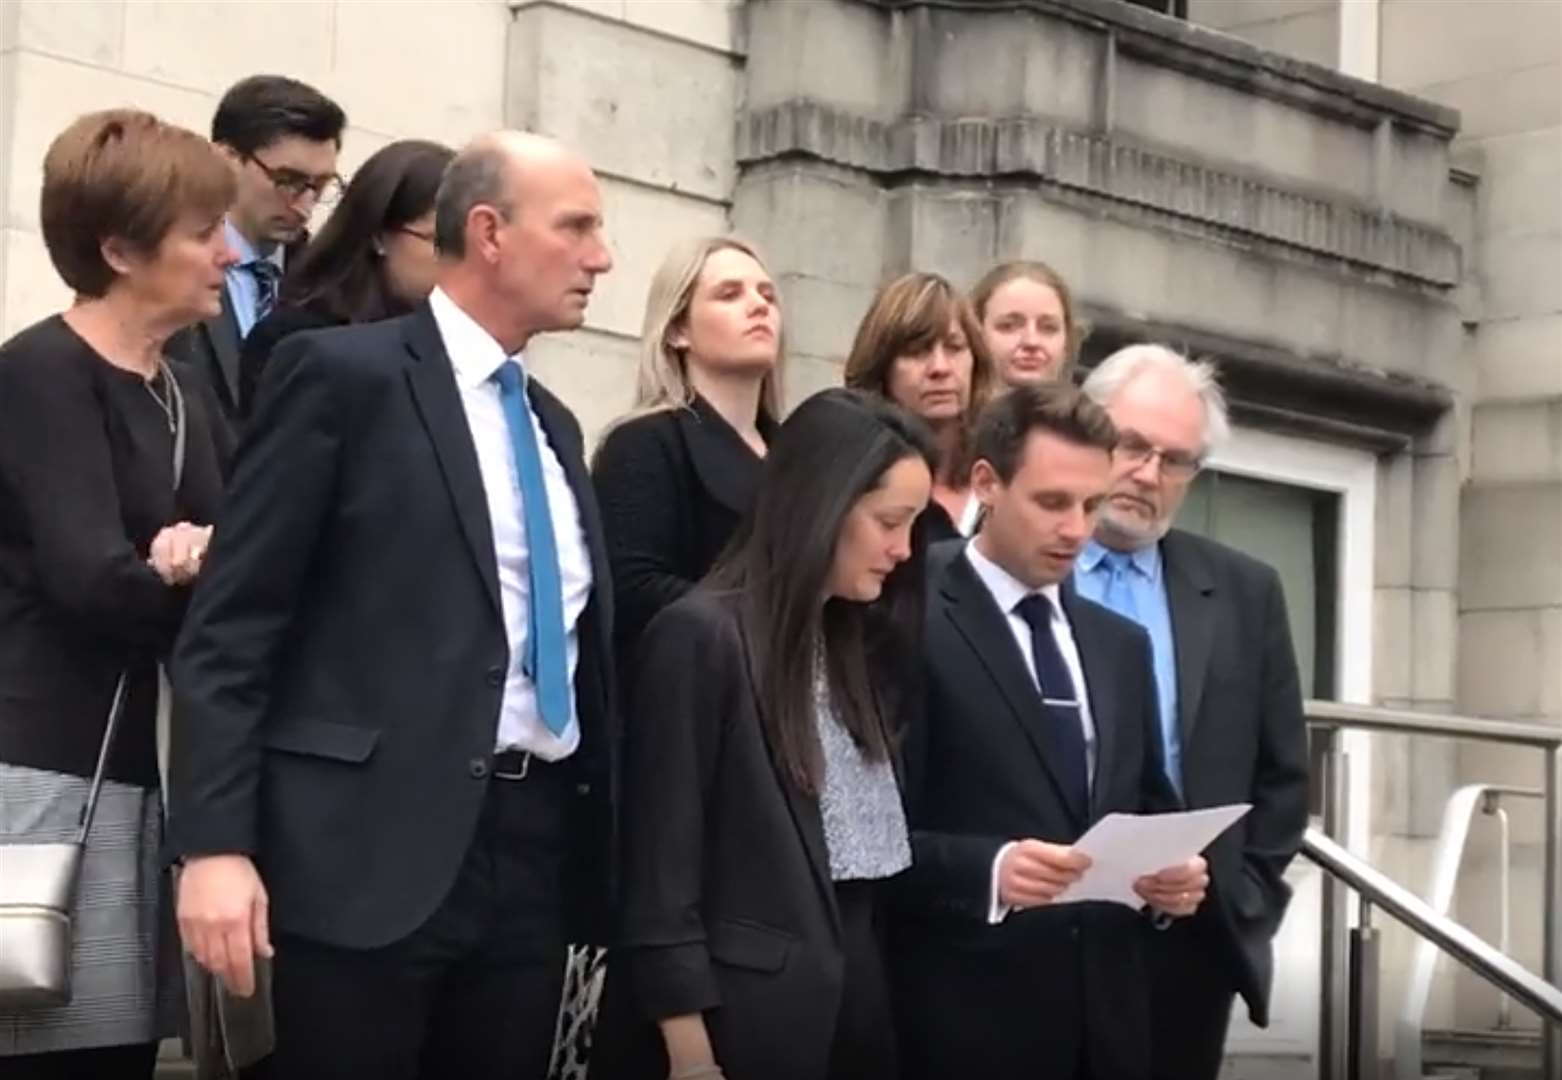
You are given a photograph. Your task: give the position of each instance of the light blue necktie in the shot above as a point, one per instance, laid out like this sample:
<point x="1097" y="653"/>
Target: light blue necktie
<point x="546" y="662"/>
<point x="1119" y="592"/>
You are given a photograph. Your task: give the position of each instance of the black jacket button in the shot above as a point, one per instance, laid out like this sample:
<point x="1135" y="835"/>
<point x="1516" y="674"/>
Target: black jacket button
<point x="496" y="676"/>
<point x="478" y="767"/>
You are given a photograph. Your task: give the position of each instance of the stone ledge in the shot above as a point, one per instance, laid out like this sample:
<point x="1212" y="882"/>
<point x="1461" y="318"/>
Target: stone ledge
<point x="1186" y="46"/>
<point x="1033" y="148"/>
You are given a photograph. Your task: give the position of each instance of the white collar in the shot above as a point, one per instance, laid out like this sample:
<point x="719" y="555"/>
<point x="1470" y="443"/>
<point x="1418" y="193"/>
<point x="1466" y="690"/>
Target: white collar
<point x="1006" y="589"/>
<point x="474" y="353"/>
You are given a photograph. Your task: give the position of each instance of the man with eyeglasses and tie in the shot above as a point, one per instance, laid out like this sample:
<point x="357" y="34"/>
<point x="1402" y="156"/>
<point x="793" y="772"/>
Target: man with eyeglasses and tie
<point x="1230" y="706"/>
<point x="282" y="138"/>
<point x="392" y="766"/>
<point x="1039" y="718"/>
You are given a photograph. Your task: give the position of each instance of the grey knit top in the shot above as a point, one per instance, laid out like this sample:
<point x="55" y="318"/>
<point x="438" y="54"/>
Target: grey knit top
<point x="864" y="821"/>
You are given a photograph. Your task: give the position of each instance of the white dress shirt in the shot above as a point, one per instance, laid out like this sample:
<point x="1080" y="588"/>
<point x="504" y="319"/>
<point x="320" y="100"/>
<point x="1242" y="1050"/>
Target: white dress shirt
<point x="1007" y="592"/>
<point x="475" y="356"/>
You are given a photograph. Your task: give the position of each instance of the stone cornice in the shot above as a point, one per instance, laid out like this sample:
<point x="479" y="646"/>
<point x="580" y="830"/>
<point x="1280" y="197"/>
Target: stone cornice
<point x="1107" y="167"/>
<point x="1210" y="54"/>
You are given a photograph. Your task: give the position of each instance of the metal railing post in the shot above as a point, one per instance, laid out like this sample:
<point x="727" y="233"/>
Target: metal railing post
<point x="1551" y="931"/>
<point x="1364" y="990"/>
<point x="1335" y="1009"/>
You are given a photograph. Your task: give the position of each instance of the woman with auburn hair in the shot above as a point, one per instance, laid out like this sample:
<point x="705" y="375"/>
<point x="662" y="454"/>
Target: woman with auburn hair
<point x="921" y="347"/>
<point x="762" y="816"/>
<point x="676" y="476"/>
<point x="110" y="472"/>
<point x="1026" y="312"/>
<point x="373" y="260"/>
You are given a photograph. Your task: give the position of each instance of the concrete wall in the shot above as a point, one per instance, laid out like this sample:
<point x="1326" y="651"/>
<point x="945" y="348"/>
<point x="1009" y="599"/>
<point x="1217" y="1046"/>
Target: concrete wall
<point x="1306" y="29"/>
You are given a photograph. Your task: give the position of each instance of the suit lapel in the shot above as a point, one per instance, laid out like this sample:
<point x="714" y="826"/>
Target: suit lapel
<point x="976" y="617"/>
<point x="222" y="331"/>
<point x="433" y="385"/>
<point x="1190" y="591"/>
<point x="804" y="809"/>
<point x="1101" y="687"/>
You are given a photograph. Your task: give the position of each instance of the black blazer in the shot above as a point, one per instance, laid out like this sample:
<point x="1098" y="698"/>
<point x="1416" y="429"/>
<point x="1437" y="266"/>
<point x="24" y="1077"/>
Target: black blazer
<point x="86" y="484"/>
<point x="343" y="661"/>
<point x="673" y="486"/>
<point x="1033" y="994"/>
<point x="1243" y="740"/>
<point x="210" y="349"/>
<point x="728" y="905"/>
<point x="263" y="340"/>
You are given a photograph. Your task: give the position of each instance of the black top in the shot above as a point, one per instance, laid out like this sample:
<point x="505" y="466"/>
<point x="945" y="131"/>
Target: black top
<point x="673" y="486"/>
<point x="263" y="339"/>
<point x="86" y="483"/>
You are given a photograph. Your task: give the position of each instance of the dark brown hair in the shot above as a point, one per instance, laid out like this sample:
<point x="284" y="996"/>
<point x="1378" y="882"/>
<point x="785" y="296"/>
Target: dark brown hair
<point x="264" y="109"/>
<point x="1042" y="274"/>
<point x="123" y="173"/>
<point x="906" y="318"/>
<point x="834" y="448"/>
<point x="1059" y="408"/>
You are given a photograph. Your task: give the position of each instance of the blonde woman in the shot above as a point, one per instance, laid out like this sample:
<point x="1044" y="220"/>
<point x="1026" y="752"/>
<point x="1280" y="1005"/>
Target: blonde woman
<point x="676" y="477"/>
<point x="921" y="347"/>
<point x="677" y="474"/>
<point x="1028" y="322"/>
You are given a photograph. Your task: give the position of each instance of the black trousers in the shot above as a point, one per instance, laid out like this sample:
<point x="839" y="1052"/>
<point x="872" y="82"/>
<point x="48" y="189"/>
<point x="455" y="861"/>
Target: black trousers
<point x="134" y="1062"/>
<point x="473" y="993"/>
<point x="1192" y="994"/>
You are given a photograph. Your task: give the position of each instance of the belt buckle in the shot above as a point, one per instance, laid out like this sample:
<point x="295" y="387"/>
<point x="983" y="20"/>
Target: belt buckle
<point x="526" y="764"/>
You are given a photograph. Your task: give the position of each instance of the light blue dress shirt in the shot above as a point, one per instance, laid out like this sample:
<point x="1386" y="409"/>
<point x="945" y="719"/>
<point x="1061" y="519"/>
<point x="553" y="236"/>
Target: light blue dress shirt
<point x="1133" y="584"/>
<point x="243" y="292"/>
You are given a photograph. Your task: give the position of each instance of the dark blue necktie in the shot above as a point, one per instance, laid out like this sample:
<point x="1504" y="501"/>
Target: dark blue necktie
<point x="268" y="277"/>
<point x="1062" y="721"/>
<point x="545" y="662"/>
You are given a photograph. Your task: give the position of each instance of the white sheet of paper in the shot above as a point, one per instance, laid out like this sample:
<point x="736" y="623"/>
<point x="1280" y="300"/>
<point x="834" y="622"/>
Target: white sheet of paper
<point x="1126" y="847"/>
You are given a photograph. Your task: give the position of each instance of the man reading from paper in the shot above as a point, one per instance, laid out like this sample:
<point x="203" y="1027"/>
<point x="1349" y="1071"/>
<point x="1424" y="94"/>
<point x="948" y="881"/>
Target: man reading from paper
<point x="1040" y="719"/>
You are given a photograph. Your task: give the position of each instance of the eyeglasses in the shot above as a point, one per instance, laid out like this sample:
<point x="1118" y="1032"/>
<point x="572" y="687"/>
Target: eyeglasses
<point x="427" y="236"/>
<point x="1136" y="450"/>
<point x="293" y="184"/>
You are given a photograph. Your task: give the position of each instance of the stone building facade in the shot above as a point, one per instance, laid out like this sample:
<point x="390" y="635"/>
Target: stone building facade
<point x="1354" y="205"/>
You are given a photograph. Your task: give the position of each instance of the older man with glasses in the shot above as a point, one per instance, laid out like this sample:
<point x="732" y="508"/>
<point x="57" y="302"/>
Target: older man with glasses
<point x="281" y="137"/>
<point x="1229" y="695"/>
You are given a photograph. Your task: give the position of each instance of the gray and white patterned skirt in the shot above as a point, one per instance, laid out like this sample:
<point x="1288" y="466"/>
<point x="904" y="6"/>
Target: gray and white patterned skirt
<point x="124" y="964"/>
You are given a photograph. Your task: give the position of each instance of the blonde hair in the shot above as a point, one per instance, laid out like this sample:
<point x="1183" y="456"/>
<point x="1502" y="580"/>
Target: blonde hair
<point x="662" y="378"/>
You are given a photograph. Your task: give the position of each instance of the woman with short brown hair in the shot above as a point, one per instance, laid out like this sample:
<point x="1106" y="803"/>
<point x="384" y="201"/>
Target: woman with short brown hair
<point x="920" y="345"/>
<point x="110" y="472"/>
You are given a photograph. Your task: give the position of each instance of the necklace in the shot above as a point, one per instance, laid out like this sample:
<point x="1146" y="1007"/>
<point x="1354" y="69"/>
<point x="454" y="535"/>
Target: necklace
<point x="163" y="403"/>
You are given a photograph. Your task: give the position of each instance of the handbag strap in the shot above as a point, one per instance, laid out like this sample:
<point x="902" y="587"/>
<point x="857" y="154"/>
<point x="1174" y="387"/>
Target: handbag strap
<point x="91" y="807"/>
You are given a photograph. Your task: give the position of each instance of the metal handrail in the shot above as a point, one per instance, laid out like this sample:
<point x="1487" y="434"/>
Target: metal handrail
<point x="1467" y="948"/>
<point x="1337" y="714"/>
<point x="1330" y="721"/>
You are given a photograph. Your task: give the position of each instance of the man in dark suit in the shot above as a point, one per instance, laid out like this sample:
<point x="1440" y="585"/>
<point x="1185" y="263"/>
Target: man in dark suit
<point x="393" y="756"/>
<point x="1230" y="725"/>
<point x="281" y="137"/>
<point x="1040" y="719"/>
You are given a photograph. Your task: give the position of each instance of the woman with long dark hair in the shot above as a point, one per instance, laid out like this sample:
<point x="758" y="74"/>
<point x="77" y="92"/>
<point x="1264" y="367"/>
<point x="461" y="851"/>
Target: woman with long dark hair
<point x="762" y="812"/>
<point x="373" y="260"/>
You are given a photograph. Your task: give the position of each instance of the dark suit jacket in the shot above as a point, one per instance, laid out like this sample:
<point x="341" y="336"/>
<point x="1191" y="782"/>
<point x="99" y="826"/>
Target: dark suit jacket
<point x="673" y="486"/>
<point x="210" y="349"/>
<point x="340" y="673"/>
<point x="263" y="340"/>
<point x="1243" y="740"/>
<point x="728" y="905"/>
<point x="1036" y="993"/>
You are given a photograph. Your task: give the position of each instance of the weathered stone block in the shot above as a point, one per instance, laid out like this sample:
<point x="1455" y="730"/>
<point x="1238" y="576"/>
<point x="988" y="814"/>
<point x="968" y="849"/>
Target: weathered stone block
<point x="948" y="231"/>
<point x="635" y="103"/>
<point x="713" y="23"/>
<point x="456" y="89"/>
<point x="1392" y="644"/>
<point x="1232" y="15"/>
<point x="1392" y="534"/>
<point x="51" y="93"/>
<point x="1521" y="175"/>
<point x="593" y="372"/>
<point x="816" y="221"/>
<point x="1503" y="102"/>
<point x="31" y="287"/>
<point x="1421" y="44"/>
<point x="1510" y="662"/>
<point x="1435" y="523"/>
<point x="807" y="375"/>
<point x="1518" y="442"/>
<point x="1520" y="358"/>
<point x="853" y="56"/>
<point x="1434" y="616"/>
<point x="211" y="46"/>
<point x="1521" y="274"/>
<point x="822" y="315"/>
<point x="1312" y="35"/>
<point x="89" y="30"/>
<point x="642" y="225"/>
<point x="1508" y="552"/>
